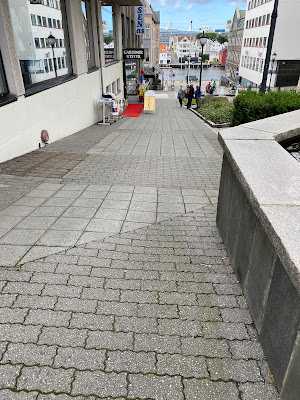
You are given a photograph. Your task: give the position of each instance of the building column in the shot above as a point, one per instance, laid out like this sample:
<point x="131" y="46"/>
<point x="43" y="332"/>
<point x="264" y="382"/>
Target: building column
<point x="9" y="52"/>
<point x="118" y="32"/>
<point x="76" y="35"/>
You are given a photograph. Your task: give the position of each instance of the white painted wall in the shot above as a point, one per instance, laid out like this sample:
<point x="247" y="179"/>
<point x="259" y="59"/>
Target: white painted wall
<point x="71" y="107"/>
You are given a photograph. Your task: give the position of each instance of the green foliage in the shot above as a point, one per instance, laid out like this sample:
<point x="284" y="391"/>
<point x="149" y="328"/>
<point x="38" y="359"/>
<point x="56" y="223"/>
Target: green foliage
<point x="222" y="38"/>
<point x="108" y="39"/>
<point x="217" y="110"/>
<point x="205" y="57"/>
<point x="213" y="36"/>
<point x="251" y="106"/>
<point x="210" y="35"/>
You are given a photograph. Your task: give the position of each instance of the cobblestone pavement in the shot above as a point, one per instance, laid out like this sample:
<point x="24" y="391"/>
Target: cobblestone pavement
<point x="144" y="304"/>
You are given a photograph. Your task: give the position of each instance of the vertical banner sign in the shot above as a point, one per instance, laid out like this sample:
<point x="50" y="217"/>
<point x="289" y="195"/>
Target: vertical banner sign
<point x="140" y="22"/>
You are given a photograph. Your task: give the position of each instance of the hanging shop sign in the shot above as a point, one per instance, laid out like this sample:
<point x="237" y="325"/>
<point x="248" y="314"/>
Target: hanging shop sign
<point x="140" y="22"/>
<point x="129" y="54"/>
<point x="109" y="54"/>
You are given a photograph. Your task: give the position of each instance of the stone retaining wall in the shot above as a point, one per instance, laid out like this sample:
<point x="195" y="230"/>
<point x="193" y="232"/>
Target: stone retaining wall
<point x="259" y="220"/>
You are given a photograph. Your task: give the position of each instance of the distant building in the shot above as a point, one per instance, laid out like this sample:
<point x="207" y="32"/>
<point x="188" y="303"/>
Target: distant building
<point x="151" y="38"/>
<point x="223" y="56"/>
<point x="235" y="40"/>
<point x="285" y="70"/>
<point x="212" y="48"/>
<point x="163" y="54"/>
<point x="185" y="47"/>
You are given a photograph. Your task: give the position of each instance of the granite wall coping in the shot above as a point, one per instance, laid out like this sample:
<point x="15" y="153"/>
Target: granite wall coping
<point x="270" y="178"/>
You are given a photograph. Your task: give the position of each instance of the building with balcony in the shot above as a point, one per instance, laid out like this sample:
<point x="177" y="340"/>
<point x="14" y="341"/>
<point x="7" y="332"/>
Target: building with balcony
<point x="235" y="40"/>
<point x="284" y="67"/>
<point x="151" y="37"/>
<point x="53" y="70"/>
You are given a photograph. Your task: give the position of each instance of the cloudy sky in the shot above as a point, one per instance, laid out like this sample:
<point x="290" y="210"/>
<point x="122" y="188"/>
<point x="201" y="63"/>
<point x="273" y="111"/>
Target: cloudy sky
<point x="201" y="12"/>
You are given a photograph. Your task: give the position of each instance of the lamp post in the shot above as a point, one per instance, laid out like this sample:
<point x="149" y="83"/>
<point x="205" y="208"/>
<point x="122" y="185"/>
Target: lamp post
<point x="203" y="40"/>
<point x="52" y="41"/>
<point x="274" y="56"/>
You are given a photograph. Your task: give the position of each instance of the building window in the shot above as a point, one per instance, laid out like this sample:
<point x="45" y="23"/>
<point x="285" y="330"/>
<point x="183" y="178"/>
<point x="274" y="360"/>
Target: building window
<point x="46" y="66"/>
<point x="108" y="33"/>
<point x="268" y="19"/>
<point x="147" y="31"/>
<point x="3" y="86"/>
<point x="88" y="32"/>
<point x="44" y="21"/>
<point x="33" y="19"/>
<point x="37" y="43"/>
<point x="32" y="60"/>
<point x="39" y="20"/>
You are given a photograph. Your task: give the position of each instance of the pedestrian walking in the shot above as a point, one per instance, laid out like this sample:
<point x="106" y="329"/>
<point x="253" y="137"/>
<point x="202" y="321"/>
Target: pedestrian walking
<point x="166" y="86"/>
<point x="180" y="95"/>
<point x="214" y="85"/>
<point x="190" y="96"/>
<point x="197" y="92"/>
<point x="208" y="86"/>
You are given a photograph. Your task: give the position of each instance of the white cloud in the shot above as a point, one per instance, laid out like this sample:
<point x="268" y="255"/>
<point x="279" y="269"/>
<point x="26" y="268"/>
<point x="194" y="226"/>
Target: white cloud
<point x="188" y="7"/>
<point x="177" y="4"/>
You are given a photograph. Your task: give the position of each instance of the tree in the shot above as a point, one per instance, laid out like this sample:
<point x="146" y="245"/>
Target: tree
<point x="108" y="39"/>
<point x="222" y="39"/>
<point x="209" y="35"/>
<point x="205" y="57"/>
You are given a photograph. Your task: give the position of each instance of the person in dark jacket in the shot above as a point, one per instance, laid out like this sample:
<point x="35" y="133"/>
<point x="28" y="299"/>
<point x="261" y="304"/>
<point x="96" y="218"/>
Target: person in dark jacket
<point x="190" y="96"/>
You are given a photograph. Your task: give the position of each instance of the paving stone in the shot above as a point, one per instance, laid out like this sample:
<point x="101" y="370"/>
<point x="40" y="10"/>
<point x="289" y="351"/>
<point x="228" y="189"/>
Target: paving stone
<point x="157" y="343"/>
<point x="80" y="359"/>
<point x="100" y="384"/>
<point x="92" y="321"/>
<point x="76" y="305"/>
<point x="23" y="288"/>
<point x="12" y="315"/>
<point x="177" y="298"/>
<point x="86" y="281"/>
<point x="48" y="318"/>
<point x="204" y="389"/>
<point x="155" y="387"/>
<point x="246" y="349"/>
<point x="40" y="277"/>
<point x="63" y="337"/>
<point x="129" y="361"/>
<point x="136" y="296"/>
<point x="157" y="311"/>
<point x="73" y="269"/>
<point x="186" y="366"/>
<point x="61" y="291"/>
<point x="52" y="396"/>
<point x="19" y="333"/>
<point x="236" y="315"/>
<point x="35" y="302"/>
<point x="236" y="370"/>
<point x="122" y="284"/>
<point x="45" y="379"/>
<point x="6" y="394"/>
<point x="8" y="375"/>
<point x="134" y="324"/>
<point x="253" y="391"/>
<point x="118" y="308"/>
<point x="197" y="313"/>
<point x="179" y="327"/>
<point x="205" y="347"/>
<point x="110" y="340"/>
<point x="100" y="294"/>
<point x="29" y="354"/>
<point x="225" y="330"/>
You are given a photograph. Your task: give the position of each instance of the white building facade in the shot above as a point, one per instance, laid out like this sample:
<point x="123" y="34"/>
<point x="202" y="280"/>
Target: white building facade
<point x="186" y="47"/>
<point x="36" y="96"/>
<point x="213" y="48"/>
<point x="284" y="68"/>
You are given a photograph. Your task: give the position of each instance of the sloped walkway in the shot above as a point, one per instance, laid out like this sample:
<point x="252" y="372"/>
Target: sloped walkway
<point x="114" y="282"/>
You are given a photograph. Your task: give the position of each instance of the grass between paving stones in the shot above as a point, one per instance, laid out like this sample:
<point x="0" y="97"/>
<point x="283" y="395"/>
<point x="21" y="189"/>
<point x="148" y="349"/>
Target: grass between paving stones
<point x="217" y="110"/>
